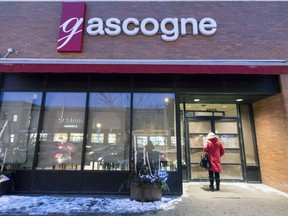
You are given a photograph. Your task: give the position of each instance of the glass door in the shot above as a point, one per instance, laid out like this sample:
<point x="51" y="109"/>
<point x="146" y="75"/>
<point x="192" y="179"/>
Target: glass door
<point x="227" y="131"/>
<point x="197" y="131"/>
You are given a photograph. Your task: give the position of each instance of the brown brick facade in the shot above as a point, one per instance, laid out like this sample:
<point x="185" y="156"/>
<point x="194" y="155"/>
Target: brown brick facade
<point x="246" y="30"/>
<point x="271" y="132"/>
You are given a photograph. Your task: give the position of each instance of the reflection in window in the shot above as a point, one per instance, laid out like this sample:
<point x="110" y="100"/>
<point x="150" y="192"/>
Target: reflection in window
<point x="15" y="118"/>
<point x="231" y="156"/>
<point x="112" y="138"/>
<point x="60" y="137"/>
<point x="108" y="129"/>
<point x="18" y="122"/>
<point x="199" y="126"/>
<point x="232" y="172"/>
<point x="227" y="127"/>
<point x="197" y="141"/>
<point x="62" y="131"/>
<point x="97" y="138"/>
<point x="154" y="120"/>
<point x="76" y="138"/>
<point x="230" y="141"/>
<point x="12" y="137"/>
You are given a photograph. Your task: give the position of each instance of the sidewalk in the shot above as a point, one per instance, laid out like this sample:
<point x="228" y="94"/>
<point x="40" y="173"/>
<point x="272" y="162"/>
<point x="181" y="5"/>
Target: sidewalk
<point x="235" y="199"/>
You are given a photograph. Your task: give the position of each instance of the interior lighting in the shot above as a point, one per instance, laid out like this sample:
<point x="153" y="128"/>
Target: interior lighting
<point x="196" y="100"/>
<point x="239" y="99"/>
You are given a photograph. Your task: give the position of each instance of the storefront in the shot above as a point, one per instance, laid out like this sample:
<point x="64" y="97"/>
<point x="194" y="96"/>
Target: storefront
<point x="76" y="114"/>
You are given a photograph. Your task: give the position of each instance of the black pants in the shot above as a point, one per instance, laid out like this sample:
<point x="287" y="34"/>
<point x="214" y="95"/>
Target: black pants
<point x="214" y="175"/>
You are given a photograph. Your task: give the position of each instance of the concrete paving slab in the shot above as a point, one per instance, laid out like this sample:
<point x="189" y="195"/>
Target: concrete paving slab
<point x="235" y="199"/>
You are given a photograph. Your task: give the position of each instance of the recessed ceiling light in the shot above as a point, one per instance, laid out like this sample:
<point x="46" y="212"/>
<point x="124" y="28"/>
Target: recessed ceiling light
<point x="239" y="99"/>
<point x="196" y="100"/>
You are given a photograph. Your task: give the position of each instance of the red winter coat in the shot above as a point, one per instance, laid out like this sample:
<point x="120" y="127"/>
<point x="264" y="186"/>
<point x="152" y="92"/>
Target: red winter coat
<point x="215" y="150"/>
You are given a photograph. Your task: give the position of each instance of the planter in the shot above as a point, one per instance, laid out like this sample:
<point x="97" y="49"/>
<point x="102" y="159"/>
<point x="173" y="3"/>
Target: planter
<point x="145" y="193"/>
<point x="5" y="187"/>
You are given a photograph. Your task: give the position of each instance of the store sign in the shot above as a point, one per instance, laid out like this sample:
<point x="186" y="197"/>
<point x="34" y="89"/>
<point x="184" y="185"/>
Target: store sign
<point x="72" y="27"/>
<point x="70" y="122"/>
<point x="169" y="27"/>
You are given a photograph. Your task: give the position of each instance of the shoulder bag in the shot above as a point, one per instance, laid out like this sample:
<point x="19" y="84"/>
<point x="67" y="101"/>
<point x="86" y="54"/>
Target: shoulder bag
<point x="204" y="161"/>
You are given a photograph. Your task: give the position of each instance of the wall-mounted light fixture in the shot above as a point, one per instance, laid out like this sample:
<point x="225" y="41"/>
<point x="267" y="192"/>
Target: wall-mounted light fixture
<point x="10" y="51"/>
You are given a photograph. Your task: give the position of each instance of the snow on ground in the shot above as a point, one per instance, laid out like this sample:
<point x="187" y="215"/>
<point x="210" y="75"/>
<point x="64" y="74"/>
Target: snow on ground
<point x="49" y="204"/>
<point x="120" y="205"/>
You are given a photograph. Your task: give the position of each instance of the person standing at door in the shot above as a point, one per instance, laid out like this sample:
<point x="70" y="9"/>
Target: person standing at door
<point x="215" y="150"/>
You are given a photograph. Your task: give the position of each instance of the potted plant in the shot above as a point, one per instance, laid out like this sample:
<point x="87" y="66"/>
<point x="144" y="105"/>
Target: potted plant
<point x="148" y="185"/>
<point x="148" y="181"/>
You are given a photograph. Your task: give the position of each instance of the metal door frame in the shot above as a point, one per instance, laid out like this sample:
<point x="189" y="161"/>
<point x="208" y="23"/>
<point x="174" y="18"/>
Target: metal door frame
<point x="212" y="120"/>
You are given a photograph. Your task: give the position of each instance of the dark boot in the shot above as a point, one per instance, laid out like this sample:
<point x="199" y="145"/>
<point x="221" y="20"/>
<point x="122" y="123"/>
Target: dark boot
<point x="217" y="184"/>
<point x="211" y="186"/>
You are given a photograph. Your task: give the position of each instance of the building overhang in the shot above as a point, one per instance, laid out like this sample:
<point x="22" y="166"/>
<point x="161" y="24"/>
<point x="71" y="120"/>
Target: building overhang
<point x="149" y="66"/>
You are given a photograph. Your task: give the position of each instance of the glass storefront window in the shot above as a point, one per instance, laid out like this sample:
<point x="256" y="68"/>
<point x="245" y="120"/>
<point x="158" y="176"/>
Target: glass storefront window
<point x="19" y="121"/>
<point x="154" y="121"/>
<point x="61" y="138"/>
<point x="108" y="141"/>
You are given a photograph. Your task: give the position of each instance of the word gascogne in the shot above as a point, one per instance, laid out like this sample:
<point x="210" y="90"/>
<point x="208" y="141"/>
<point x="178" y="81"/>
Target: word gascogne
<point x="170" y="28"/>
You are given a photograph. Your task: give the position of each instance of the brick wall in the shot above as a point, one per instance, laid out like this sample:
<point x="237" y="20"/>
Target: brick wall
<point x="246" y="30"/>
<point x="272" y="139"/>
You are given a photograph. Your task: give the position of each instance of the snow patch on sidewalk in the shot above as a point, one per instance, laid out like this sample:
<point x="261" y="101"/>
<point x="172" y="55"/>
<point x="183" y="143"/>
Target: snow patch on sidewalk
<point x="49" y="204"/>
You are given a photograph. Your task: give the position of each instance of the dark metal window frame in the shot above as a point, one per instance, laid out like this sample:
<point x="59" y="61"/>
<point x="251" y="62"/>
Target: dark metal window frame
<point x="180" y="84"/>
